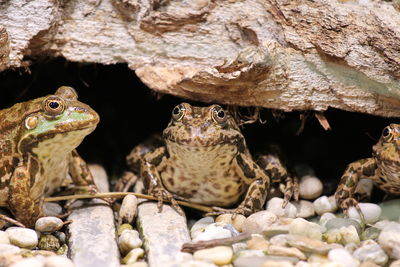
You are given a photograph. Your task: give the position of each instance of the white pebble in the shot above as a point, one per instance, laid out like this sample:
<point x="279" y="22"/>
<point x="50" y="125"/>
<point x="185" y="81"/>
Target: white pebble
<point x="274" y="205"/>
<point x="4" y="238"/>
<point x="127" y="212"/>
<point x="342" y="256"/>
<point x="133" y="256"/>
<point x="371" y="251"/>
<point x="279" y="240"/>
<point x="200" y="225"/>
<point x="310" y="187"/>
<point x="389" y="239"/>
<point x="325" y="218"/>
<point x="128" y="240"/>
<point x="58" y="261"/>
<point x="272" y="263"/>
<point x="212" y="231"/>
<point x="48" y="224"/>
<point x="22" y="237"/>
<point x="258" y="222"/>
<point x="237" y="222"/>
<point x="9" y="249"/>
<point x="302" y="227"/>
<point x="219" y="255"/>
<point x="305" y="209"/>
<point x="349" y="234"/>
<point x="324" y="204"/>
<point x="371" y="212"/>
<point x="31" y="262"/>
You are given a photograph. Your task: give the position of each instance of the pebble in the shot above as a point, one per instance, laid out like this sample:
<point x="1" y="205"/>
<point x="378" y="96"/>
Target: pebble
<point x="212" y="231"/>
<point x="343" y="257"/>
<point x="333" y="236"/>
<point x="305" y="209"/>
<point x="200" y="225"/>
<point x="310" y="187"/>
<point x="306" y="244"/>
<point x="48" y="224"/>
<point x="370" y="233"/>
<point x="219" y="255"/>
<point x="349" y="235"/>
<point x="129" y="240"/>
<point x="279" y="240"/>
<point x="52" y="209"/>
<point x="141" y="264"/>
<point x="231" y="229"/>
<point x="371" y="212"/>
<point x="4" y="238"/>
<point x="9" y="249"/>
<point x="239" y="246"/>
<point x="274" y="205"/>
<point x="237" y="222"/>
<point x="256" y="258"/>
<point x="389" y="239"/>
<point x="395" y="264"/>
<point x="325" y="218"/>
<point x="325" y="204"/>
<point x="123" y="227"/>
<point x="58" y="261"/>
<point x="259" y="222"/>
<point x="371" y="251"/>
<point x="49" y="242"/>
<point x="300" y="226"/>
<point x="133" y="256"/>
<point x="31" y="262"/>
<point x="128" y="210"/>
<point x="22" y="237"/>
<point x="257" y="242"/>
<point x="390" y="209"/>
<point x="337" y="223"/>
<point x="270" y="263"/>
<point x="285" y="251"/>
<point x="279" y="227"/>
<point x="196" y="263"/>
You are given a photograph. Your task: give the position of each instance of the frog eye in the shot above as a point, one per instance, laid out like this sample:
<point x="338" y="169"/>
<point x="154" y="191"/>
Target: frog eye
<point x="386" y="133"/>
<point x="178" y="112"/>
<point x="53" y="106"/>
<point x="219" y="115"/>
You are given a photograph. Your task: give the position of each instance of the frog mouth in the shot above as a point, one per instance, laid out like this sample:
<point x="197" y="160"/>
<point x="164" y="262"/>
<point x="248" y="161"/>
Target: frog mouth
<point x="199" y="142"/>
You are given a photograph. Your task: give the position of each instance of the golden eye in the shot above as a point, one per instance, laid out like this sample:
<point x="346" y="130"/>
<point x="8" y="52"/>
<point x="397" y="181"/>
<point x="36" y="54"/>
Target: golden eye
<point x="178" y="112"/>
<point x="31" y="122"/>
<point x="219" y="115"/>
<point x="53" y="106"/>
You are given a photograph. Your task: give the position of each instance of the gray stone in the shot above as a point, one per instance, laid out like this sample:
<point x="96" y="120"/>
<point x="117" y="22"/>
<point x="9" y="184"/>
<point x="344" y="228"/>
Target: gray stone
<point x="48" y="224"/>
<point x="92" y="239"/>
<point x="52" y="209"/>
<point x="370" y="233"/>
<point x="212" y="231"/>
<point x="163" y="234"/>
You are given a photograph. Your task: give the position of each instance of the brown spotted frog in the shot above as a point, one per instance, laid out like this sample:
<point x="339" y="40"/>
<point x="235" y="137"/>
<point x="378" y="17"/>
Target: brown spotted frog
<point x="37" y="150"/>
<point x="383" y="168"/>
<point x="203" y="158"/>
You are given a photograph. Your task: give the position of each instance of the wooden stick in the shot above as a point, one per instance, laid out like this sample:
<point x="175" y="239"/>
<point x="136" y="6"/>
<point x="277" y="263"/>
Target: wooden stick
<point x="192" y="247"/>
<point x="123" y="194"/>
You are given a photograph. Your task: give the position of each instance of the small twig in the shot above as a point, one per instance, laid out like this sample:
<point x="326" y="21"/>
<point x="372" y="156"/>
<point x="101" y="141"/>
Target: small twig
<point x="322" y="120"/>
<point x="123" y="194"/>
<point x="11" y="220"/>
<point x="192" y="247"/>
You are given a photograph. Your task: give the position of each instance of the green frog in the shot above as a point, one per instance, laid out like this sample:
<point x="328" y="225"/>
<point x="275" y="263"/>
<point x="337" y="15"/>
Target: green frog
<point x="203" y="158"/>
<point x="383" y="168"/>
<point x="37" y="150"/>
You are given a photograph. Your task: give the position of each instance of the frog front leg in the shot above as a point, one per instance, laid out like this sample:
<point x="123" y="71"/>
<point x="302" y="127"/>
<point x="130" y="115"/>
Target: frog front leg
<point x="25" y="209"/>
<point x="258" y="181"/>
<point x="152" y="179"/>
<point x="273" y="167"/>
<point x="364" y="168"/>
<point x="80" y="174"/>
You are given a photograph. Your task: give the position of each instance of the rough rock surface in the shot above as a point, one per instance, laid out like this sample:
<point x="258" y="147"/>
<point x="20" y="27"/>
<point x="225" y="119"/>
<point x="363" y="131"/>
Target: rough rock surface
<point x="92" y="240"/>
<point x="290" y="55"/>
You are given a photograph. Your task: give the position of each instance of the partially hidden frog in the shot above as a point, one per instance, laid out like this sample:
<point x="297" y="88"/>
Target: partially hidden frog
<point x="37" y="150"/>
<point x="203" y="158"/>
<point x="383" y="168"/>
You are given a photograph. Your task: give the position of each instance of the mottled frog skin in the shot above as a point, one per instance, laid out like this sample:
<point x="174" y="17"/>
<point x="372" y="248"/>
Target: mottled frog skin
<point x="204" y="159"/>
<point x="37" y="142"/>
<point x="383" y="168"/>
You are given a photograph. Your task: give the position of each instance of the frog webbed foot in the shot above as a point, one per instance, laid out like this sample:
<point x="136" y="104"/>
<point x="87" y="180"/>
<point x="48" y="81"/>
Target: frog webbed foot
<point x="242" y="210"/>
<point x="352" y="202"/>
<point x="290" y="189"/>
<point x="162" y="195"/>
<point x="127" y="180"/>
